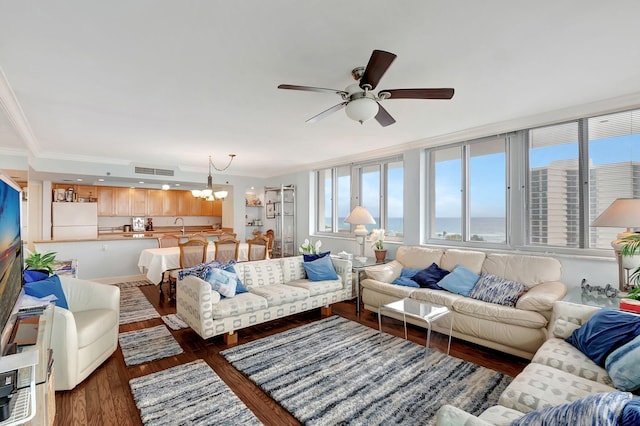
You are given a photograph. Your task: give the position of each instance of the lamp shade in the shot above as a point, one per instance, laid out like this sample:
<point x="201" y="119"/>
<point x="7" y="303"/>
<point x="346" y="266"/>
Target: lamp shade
<point x="622" y="213"/>
<point x="360" y="216"/>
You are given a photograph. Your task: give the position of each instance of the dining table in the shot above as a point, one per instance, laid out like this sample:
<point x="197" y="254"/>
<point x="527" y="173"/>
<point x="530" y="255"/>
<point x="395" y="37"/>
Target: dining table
<point x="155" y="261"/>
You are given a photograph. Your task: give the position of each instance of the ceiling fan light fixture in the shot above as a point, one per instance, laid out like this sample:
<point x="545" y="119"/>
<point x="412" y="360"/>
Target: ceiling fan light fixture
<point x="362" y="109"/>
<point x="220" y="195"/>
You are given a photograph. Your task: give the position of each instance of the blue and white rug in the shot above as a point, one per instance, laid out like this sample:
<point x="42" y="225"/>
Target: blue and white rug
<point x="174" y="322"/>
<point x="148" y="344"/>
<point x="189" y="394"/>
<point x="336" y="371"/>
<point x="134" y="306"/>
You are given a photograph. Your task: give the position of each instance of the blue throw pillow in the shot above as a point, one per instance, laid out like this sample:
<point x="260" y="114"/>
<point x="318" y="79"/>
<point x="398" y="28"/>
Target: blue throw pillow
<point x="405" y="278"/>
<point x="461" y="281"/>
<point x="604" y="332"/>
<point x="631" y="413"/>
<point x="320" y="269"/>
<point x="310" y="257"/>
<point x="222" y="281"/>
<point x="596" y="409"/>
<point x="623" y="366"/>
<point x="31" y="275"/>
<point x="430" y="277"/>
<point x="498" y="290"/>
<point x="46" y="288"/>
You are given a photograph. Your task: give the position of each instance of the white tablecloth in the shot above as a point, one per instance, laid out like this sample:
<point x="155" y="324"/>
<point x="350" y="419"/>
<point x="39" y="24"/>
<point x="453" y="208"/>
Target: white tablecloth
<point x="157" y="260"/>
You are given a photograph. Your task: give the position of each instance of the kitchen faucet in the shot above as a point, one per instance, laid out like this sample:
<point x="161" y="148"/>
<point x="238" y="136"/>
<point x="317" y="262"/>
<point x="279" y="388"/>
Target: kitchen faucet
<point x="181" y="221"/>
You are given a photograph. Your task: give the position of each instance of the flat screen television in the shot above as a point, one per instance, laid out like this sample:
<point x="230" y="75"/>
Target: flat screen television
<point x="11" y="257"/>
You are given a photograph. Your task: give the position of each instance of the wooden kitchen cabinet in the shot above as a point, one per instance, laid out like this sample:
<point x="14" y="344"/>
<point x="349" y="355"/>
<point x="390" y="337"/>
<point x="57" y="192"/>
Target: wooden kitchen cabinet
<point x="138" y="200"/>
<point x="106" y="201"/>
<point x="122" y="202"/>
<point x="169" y="203"/>
<point x="217" y="208"/>
<point x="154" y="202"/>
<point x="184" y="203"/>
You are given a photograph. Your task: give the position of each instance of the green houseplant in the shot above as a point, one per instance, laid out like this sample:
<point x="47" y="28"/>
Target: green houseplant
<point x="631" y="247"/>
<point x="42" y="262"/>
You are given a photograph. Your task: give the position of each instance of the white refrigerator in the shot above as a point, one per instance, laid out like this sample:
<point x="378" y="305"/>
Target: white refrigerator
<point x="74" y="221"/>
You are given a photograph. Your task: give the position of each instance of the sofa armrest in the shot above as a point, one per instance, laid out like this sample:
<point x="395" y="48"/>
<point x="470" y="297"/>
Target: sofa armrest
<point x="541" y="297"/>
<point x="194" y="302"/>
<point x="385" y="272"/>
<point x="344" y="271"/>
<point x="449" y="415"/>
<point x="84" y="295"/>
<point x="64" y="342"/>
<point x="568" y="316"/>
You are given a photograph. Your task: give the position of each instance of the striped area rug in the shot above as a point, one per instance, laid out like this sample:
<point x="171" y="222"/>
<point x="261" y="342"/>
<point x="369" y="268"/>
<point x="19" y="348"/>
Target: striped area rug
<point x="137" y="283"/>
<point x="189" y="394"/>
<point x="174" y="322"/>
<point x="134" y="306"/>
<point x="336" y="371"/>
<point x="148" y="344"/>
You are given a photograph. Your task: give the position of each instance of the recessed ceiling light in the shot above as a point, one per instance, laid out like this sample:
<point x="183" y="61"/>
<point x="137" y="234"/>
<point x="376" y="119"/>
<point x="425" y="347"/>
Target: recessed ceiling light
<point x="177" y="184"/>
<point x="79" y="179"/>
<point x="166" y="187"/>
<point x="100" y="180"/>
<point x="141" y="182"/>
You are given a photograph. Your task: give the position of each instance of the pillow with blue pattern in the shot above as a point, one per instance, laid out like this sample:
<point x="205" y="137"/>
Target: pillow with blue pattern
<point x="222" y="281"/>
<point x="493" y="289"/>
<point x="202" y="269"/>
<point x="596" y="409"/>
<point x="405" y="278"/>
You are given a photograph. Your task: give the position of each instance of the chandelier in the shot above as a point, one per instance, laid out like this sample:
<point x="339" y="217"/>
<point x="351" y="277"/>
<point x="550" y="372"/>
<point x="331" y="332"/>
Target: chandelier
<point x="208" y="193"/>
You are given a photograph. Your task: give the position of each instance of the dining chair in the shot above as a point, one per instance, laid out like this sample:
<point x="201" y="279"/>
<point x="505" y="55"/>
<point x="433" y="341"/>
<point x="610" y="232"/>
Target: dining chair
<point x="192" y="253"/>
<point x="199" y="236"/>
<point x="258" y="248"/>
<point x="226" y="249"/>
<point x="271" y="236"/>
<point x="164" y="241"/>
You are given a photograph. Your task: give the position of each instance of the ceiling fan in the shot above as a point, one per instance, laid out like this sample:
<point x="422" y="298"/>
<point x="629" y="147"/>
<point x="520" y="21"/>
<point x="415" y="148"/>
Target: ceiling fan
<point x="360" y="103"/>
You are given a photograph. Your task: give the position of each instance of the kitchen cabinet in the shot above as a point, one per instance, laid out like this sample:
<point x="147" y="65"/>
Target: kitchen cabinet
<point x="154" y="202"/>
<point x="184" y="203"/>
<point x="138" y="199"/>
<point x="169" y="203"/>
<point x="106" y="201"/>
<point x="217" y="208"/>
<point x="122" y="202"/>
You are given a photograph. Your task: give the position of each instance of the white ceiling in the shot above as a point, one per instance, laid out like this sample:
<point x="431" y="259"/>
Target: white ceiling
<point x="166" y="83"/>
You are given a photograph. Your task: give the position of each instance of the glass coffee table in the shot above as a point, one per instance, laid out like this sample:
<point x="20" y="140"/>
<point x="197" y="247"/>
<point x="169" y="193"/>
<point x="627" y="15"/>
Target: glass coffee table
<point x="424" y="311"/>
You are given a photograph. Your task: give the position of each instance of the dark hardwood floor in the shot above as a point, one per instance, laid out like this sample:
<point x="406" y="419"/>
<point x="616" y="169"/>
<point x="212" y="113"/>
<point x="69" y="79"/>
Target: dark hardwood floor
<point x="104" y="398"/>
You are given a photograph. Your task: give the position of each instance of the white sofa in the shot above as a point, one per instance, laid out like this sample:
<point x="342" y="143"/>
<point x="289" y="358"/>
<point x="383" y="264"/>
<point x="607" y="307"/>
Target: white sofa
<point x="86" y="334"/>
<point x="559" y="373"/>
<point x="277" y="288"/>
<point x="519" y="331"/>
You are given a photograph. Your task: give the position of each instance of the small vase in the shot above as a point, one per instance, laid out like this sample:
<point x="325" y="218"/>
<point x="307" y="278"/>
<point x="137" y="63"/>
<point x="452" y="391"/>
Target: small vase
<point x="380" y="255"/>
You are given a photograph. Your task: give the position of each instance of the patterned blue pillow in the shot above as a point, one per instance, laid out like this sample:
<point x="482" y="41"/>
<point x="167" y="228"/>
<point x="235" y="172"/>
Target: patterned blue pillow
<point x="631" y="413"/>
<point x="461" y="281"/>
<point x="501" y="291"/>
<point x="623" y="366"/>
<point x="222" y="281"/>
<point x="202" y="269"/>
<point x="595" y="409"/>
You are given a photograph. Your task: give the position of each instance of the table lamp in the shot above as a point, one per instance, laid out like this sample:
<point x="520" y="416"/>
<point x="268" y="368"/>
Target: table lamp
<point x="360" y="216"/>
<point x="622" y="213"/>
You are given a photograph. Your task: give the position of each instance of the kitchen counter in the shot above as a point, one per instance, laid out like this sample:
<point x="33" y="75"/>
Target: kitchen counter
<point x="157" y="232"/>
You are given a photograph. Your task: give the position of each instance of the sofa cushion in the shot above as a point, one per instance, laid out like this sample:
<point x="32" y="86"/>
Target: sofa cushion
<point x="542" y="296"/>
<point x="238" y="305"/>
<point x="429" y="277"/>
<point x="471" y="260"/>
<point x="317" y="287"/>
<point x="417" y="257"/>
<point x="499" y="313"/>
<point x="529" y="270"/>
<point x="320" y="269"/>
<point x="493" y="289"/>
<point x="461" y="281"/>
<point x="396" y="291"/>
<point x="559" y="354"/>
<point x="91" y="325"/>
<point x="279" y="294"/>
<point x="439" y="297"/>
<point x="540" y="386"/>
<point x="599" y="409"/>
<point x="498" y="415"/>
<point x="261" y="272"/>
<point x="386" y="272"/>
<point x="292" y="268"/>
<point x="623" y="365"/>
<point x="605" y="331"/>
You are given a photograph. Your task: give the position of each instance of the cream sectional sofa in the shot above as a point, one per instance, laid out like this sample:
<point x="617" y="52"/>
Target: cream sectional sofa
<point x="276" y="288"/>
<point x="519" y="331"/>
<point x="559" y="373"/>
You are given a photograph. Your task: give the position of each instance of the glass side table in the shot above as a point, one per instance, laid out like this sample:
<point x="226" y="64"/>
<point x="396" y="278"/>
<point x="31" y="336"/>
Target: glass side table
<point x="357" y="267"/>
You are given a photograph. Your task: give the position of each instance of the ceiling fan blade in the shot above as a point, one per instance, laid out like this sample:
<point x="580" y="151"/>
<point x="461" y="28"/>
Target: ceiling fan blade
<point x="419" y="93"/>
<point x="377" y="66"/>
<point x="327" y="112"/>
<point x="383" y="117"/>
<point x="311" y="89"/>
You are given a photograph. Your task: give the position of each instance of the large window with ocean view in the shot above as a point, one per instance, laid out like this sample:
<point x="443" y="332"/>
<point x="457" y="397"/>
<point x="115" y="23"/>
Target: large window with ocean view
<point x="378" y="186"/>
<point x="468" y="195"/>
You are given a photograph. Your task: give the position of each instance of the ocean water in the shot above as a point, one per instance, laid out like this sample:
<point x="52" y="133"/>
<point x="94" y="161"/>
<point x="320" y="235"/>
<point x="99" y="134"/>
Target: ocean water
<point x="491" y="229"/>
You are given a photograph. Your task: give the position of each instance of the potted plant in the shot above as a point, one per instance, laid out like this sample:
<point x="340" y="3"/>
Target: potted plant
<point x="631" y="247"/>
<point x="39" y="266"/>
<point x="377" y="243"/>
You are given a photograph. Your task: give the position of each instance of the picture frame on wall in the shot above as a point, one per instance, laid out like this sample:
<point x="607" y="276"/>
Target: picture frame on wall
<point x="271" y="211"/>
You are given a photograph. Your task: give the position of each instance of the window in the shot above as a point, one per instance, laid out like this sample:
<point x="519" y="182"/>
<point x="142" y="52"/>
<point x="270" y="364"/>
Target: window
<point x="469" y="197"/>
<point x="377" y="186"/>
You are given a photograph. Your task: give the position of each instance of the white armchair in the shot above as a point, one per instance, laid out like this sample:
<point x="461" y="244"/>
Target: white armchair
<point x="86" y="334"/>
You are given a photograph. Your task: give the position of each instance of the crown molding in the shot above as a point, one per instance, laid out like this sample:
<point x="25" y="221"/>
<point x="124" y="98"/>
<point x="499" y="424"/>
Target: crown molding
<point x="15" y="115"/>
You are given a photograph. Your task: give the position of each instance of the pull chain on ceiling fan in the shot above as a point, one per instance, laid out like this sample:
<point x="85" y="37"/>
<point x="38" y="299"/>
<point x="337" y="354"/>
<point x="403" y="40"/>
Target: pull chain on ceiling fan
<point x="359" y="101"/>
